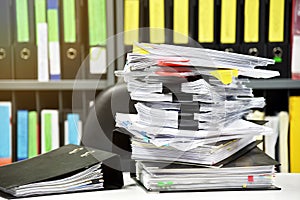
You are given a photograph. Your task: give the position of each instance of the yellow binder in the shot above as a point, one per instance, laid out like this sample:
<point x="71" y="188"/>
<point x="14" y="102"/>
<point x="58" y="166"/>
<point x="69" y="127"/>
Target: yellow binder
<point x="206" y="21"/>
<point x="131" y="21"/>
<point x="276" y="21"/>
<point x="251" y="21"/>
<point x="157" y="21"/>
<point x="294" y="105"/>
<point x="181" y="21"/>
<point x="228" y="21"/>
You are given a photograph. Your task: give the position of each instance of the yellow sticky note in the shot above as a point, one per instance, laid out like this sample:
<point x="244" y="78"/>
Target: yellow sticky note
<point x="139" y="50"/>
<point x="206" y="21"/>
<point x="276" y="21"/>
<point x="157" y="21"/>
<point x="225" y="75"/>
<point x="251" y="21"/>
<point x="131" y="21"/>
<point x="228" y="21"/>
<point x="181" y="21"/>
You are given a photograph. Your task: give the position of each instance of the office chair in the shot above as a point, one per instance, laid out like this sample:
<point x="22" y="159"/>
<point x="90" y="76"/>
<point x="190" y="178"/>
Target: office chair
<point x="100" y="122"/>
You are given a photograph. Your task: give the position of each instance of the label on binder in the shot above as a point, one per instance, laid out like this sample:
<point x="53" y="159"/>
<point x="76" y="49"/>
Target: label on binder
<point x="276" y="21"/>
<point x="228" y="21"/>
<point x="251" y="21"/>
<point x="206" y="21"/>
<point x="131" y="21"/>
<point x="98" y="60"/>
<point x="181" y="21"/>
<point x="157" y="21"/>
<point x="22" y="21"/>
<point x="69" y="20"/>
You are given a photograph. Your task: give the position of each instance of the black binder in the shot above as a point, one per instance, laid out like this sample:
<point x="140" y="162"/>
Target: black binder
<point x="279" y="49"/>
<point x="254" y="46"/>
<point x="5" y="40"/>
<point x="58" y="164"/>
<point x="72" y="53"/>
<point x="225" y="44"/>
<point x="25" y="49"/>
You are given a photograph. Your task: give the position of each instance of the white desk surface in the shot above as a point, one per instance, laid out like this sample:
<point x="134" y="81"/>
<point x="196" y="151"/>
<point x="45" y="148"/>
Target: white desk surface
<point x="289" y="183"/>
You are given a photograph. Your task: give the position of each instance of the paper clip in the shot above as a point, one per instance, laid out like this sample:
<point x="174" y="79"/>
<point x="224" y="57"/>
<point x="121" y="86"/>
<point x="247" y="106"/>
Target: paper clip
<point x="86" y="154"/>
<point x="76" y="150"/>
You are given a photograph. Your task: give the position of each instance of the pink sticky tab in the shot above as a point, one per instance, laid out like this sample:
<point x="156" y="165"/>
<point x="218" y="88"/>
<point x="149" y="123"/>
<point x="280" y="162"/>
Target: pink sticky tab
<point x="250" y="179"/>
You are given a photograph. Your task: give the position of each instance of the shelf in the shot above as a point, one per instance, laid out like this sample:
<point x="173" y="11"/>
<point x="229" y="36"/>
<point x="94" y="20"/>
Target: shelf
<point x="34" y="85"/>
<point x="274" y="84"/>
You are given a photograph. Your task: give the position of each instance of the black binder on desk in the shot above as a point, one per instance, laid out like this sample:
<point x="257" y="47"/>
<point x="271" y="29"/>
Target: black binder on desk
<point x="208" y="23"/>
<point x="254" y="28"/>
<point x="72" y="45"/>
<point x="25" y="49"/>
<point x="230" y="25"/>
<point x="67" y="165"/>
<point x="6" y="59"/>
<point x="278" y="34"/>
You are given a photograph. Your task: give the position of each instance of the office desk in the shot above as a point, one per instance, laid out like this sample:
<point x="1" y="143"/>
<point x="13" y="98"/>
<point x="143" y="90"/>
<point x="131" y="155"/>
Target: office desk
<point x="289" y="183"/>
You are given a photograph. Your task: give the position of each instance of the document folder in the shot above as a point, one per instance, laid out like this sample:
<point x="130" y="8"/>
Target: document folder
<point x="97" y="30"/>
<point x="25" y="48"/>
<point x="72" y="45"/>
<point x="230" y="25"/>
<point x="278" y="47"/>
<point x="254" y="28"/>
<point x="294" y="137"/>
<point x="6" y="133"/>
<point x="61" y="165"/>
<point x="6" y="57"/>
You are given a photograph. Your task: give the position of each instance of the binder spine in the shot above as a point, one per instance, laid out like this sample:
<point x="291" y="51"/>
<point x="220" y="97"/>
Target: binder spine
<point x="24" y="44"/>
<point x="6" y="55"/>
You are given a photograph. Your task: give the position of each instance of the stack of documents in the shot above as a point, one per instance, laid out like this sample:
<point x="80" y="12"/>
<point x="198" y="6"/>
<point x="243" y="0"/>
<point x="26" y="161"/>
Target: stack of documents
<point x="254" y="170"/>
<point x="190" y="103"/>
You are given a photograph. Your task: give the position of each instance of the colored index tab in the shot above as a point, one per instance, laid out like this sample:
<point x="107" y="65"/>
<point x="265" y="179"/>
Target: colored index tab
<point x="228" y="21"/>
<point x="157" y="21"/>
<point x="97" y="22"/>
<point x="53" y="25"/>
<point x="225" y="76"/>
<point x="206" y="21"/>
<point x="22" y="21"/>
<point x="40" y="15"/>
<point x="181" y="21"/>
<point x="131" y="21"/>
<point x="276" y="21"/>
<point x="48" y="132"/>
<point x="251" y="21"/>
<point x="69" y="20"/>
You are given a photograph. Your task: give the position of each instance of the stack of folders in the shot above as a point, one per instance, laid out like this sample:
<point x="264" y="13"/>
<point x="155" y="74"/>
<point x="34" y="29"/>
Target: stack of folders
<point x="190" y="108"/>
<point x="70" y="168"/>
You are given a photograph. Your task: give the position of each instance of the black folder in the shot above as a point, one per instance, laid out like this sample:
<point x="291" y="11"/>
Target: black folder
<point x="25" y="49"/>
<point x="72" y="42"/>
<point x="228" y="41"/>
<point x="254" y="42"/>
<point x="5" y="40"/>
<point x="58" y="164"/>
<point x="278" y="36"/>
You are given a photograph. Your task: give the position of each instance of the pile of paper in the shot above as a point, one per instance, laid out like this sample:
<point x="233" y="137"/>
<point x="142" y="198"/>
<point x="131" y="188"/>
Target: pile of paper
<point x="190" y="104"/>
